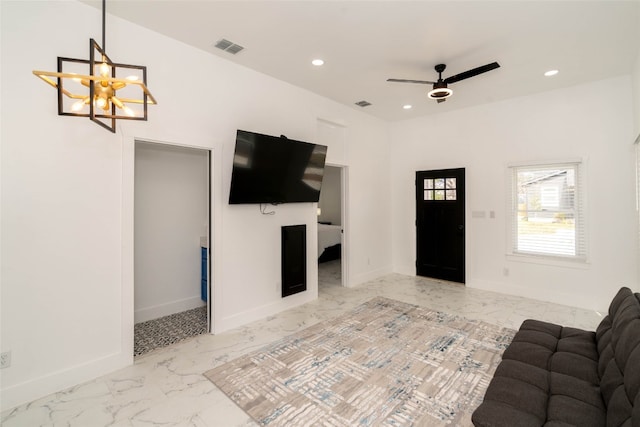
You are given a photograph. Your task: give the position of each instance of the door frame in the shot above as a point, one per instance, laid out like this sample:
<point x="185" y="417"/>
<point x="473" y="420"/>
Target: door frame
<point x="128" y="240"/>
<point x="463" y="218"/>
<point x="344" y="218"/>
<point x="344" y="256"/>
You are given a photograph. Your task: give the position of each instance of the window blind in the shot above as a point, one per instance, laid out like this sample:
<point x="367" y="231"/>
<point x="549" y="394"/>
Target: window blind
<point x="547" y="211"/>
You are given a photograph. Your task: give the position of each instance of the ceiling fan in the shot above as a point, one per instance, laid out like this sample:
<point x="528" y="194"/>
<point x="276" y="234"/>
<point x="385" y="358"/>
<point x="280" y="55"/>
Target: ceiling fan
<point x="440" y="91"/>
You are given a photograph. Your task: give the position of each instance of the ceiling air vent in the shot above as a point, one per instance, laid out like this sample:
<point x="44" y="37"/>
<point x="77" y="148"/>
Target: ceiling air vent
<point x="228" y="46"/>
<point x="363" y="103"/>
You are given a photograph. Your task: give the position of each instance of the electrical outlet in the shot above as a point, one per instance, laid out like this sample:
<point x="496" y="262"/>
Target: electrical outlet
<point x="5" y="359"/>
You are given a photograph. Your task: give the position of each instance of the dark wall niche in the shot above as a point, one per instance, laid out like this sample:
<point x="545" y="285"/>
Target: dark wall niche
<point x="294" y="259"/>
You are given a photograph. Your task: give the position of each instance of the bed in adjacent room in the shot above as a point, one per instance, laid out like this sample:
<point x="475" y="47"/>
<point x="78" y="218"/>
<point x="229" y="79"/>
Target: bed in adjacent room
<point x="329" y="242"/>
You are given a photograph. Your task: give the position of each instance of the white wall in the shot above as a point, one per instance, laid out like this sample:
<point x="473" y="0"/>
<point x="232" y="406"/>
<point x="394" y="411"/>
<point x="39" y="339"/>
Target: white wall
<point x="592" y="122"/>
<point x="67" y="194"/>
<point x="635" y="75"/>
<point x="171" y="215"/>
<point x="330" y="196"/>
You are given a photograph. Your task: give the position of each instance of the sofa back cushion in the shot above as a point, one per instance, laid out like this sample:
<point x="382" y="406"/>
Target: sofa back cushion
<point x="618" y="337"/>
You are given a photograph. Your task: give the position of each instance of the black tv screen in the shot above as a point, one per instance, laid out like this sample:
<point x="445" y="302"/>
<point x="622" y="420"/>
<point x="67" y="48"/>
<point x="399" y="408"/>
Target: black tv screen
<point x="270" y="169"/>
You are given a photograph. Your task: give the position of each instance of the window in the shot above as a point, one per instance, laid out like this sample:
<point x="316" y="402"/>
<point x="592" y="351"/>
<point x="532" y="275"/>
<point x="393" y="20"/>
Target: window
<point x="440" y="189"/>
<point x="547" y="217"/>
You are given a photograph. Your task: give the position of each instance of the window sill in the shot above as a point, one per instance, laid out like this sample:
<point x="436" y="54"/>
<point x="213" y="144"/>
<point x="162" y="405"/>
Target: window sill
<point x="549" y="260"/>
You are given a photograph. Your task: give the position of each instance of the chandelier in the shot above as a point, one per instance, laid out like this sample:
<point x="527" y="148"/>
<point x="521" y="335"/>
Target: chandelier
<point x="103" y="94"/>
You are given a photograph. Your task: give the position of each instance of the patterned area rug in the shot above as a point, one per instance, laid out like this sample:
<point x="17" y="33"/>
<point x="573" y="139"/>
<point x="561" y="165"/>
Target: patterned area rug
<point x="385" y="363"/>
<point x="167" y="330"/>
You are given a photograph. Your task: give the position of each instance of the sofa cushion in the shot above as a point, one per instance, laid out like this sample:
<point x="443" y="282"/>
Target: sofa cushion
<point x="549" y="374"/>
<point x="565" y="385"/>
<point x="524" y="372"/>
<point x="573" y="411"/>
<point x="575" y="365"/>
<point x="498" y="414"/>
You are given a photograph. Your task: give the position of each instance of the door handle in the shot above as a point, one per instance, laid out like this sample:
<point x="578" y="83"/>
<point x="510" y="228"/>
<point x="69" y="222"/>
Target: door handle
<point x="460" y="227"/>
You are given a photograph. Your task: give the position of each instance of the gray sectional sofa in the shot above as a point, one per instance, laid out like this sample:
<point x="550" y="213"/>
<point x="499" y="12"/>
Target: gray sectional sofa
<point x="557" y="376"/>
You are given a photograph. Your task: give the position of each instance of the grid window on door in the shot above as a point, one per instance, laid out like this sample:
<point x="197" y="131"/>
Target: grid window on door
<point x="440" y="189"/>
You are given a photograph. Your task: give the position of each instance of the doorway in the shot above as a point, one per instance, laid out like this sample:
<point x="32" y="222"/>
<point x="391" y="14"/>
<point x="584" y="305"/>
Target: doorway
<point x="440" y="224"/>
<point x="171" y="244"/>
<point x="331" y="235"/>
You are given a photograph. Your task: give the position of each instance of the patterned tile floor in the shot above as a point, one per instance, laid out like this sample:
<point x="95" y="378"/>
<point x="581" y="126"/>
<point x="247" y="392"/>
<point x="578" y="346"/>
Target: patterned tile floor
<point x="166" y="387"/>
<point x="167" y="330"/>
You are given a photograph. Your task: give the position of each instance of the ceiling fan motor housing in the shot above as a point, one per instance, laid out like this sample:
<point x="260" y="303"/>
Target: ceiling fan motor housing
<point x="440" y="91"/>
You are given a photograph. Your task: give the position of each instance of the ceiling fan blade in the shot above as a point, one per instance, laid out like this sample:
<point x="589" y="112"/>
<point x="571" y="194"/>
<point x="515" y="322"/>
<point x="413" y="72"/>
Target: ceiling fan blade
<point x="472" y="73"/>
<point x="441" y="100"/>
<point x="422" y="82"/>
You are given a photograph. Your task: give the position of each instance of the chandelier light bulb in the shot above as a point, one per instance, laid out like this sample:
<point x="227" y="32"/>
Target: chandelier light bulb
<point x="104" y="69"/>
<point x="77" y="106"/>
<point x="101" y="102"/>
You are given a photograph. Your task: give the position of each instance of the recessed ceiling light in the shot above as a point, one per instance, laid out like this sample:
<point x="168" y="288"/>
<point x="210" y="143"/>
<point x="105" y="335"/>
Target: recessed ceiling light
<point x="317" y="62"/>
<point x="407" y="106"/>
<point x="551" y="73"/>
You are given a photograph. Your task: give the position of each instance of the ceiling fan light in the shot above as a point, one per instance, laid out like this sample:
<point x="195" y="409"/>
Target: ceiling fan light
<point x="440" y="93"/>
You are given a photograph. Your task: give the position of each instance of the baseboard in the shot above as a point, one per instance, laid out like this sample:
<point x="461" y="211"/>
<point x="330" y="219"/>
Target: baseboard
<point x="74" y="376"/>
<point x="406" y="269"/>
<point x="258" y="313"/>
<point x="571" y="299"/>
<point x="150" y="313"/>
<point x="357" y="279"/>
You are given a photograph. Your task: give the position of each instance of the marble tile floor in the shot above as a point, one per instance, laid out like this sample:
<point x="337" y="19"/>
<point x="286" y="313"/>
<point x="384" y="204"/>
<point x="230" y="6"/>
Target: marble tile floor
<point x="166" y="387"/>
<point x="329" y="273"/>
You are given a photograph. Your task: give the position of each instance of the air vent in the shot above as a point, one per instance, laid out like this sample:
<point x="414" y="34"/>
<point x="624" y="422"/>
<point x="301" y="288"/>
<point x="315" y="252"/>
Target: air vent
<point x="228" y="46"/>
<point x="363" y="103"/>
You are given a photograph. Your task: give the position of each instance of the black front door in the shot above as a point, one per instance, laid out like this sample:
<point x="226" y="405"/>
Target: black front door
<point x="440" y="224"/>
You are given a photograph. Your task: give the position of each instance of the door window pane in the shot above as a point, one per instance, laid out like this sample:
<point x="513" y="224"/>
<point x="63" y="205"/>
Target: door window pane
<point x="451" y="183"/>
<point x="439" y="195"/>
<point x="439" y="183"/>
<point x="428" y="184"/>
<point x="428" y="194"/>
<point x="451" y="194"/>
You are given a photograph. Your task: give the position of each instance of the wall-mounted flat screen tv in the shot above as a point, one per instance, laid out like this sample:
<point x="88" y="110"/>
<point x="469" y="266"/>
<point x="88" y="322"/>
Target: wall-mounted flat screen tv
<point x="270" y="169"/>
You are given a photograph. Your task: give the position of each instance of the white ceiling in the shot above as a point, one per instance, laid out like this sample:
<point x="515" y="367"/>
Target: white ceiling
<point x="365" y="42"/>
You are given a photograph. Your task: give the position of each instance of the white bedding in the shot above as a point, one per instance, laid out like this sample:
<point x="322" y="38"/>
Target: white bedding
<point x="328" y="235"/>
